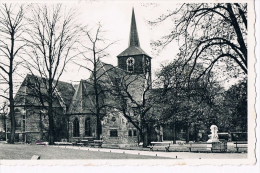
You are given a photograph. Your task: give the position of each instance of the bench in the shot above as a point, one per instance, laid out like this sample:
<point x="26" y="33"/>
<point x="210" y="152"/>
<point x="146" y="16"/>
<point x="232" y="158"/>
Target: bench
<point x="62" y="143"/>
<point x="209" y="146"/>
<point x="42" y="143"/>
<point x="200" y="147"/>
<point x="240" y="144"/>
<point x="160" y="145"/>
<point x="84" y="142"/>
<point x="179" y="147"/>
<point x="97" y="143"/>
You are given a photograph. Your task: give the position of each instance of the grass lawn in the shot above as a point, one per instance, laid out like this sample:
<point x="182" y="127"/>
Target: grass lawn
<point x="24" y="151"/>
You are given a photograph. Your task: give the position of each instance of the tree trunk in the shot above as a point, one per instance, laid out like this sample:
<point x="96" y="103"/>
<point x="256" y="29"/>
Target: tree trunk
<point x="12" y="117"/>
<point x="195" y="133"/>
<point x="50" y="109"/>
<point x="40" y="126"/>
<point x="99" y="127"/>
<point x="187" y="134"/>
<point x="51" y="124"/>
<point x="145" y="135"/>
<point x="174" y="132"/>
<point x="11" y="101"/>
<point x="11" y="91"/>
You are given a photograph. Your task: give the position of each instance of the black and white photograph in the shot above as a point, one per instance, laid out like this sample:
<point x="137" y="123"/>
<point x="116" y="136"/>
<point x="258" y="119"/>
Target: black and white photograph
<point x="127" y="82"/>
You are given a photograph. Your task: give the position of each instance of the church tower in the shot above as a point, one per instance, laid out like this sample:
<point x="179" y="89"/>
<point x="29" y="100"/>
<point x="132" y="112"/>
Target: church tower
<point x="134" y="60"/>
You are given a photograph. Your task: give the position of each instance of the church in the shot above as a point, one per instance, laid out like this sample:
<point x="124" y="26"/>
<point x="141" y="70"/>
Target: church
<point x="74" y="105"/>
<point x="134" y="65"/>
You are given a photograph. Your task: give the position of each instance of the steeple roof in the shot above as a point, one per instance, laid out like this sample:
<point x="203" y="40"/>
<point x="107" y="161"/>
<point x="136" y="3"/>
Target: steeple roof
<point x="133" y="40"/>
<point x="134" y="44"/>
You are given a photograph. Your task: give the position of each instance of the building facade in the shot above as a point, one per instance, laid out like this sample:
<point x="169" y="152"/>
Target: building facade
<point x="31" y="110"/>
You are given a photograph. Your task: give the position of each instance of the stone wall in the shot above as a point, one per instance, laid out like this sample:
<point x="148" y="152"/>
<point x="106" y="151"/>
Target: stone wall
<point x="117" y="123"/>
<point x="82" y="119"/>
<point x="32" y="124"/>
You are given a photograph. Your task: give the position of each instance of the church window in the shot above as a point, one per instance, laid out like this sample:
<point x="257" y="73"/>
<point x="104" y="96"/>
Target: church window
<point x="147" y="61"/>
<point x="130" y="132"/>
<point x="87" y="127"/>
<point x="113" y="119"/>
<point x="130" y="64"/>
<point x="23" y="124"/>
<point x="113" y="133"/>
<point x="134" y="133"/>
<point x="76" y="127"/>
<point x="18" y="120"/>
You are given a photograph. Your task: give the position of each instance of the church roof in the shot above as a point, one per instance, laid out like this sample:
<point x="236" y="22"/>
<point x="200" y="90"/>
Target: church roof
<point x="134" y="39"/>
<point x="83" y="98"/>
<point x="134" y="44"/>
<point x="133" y="51"/>
<point x="33" y="87"/>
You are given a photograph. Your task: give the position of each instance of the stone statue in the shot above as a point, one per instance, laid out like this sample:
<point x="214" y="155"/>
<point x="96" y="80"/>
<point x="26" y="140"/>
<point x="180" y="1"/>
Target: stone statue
<point x="213" y="137"/>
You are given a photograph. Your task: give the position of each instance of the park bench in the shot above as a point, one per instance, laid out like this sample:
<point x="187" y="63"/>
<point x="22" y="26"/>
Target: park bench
<point x="160" y="145"/>
<point x="240" y="144"/>
<point x="96" y="143"/>
<point x="209" y="146"/>
<point x="62" y="143"/>
<point x="179" y="147"/>
<point x="77" y="143"/>
<point x="84" y="142"/>
<point x="203" y="146"/>
<point x="41" y="143"/>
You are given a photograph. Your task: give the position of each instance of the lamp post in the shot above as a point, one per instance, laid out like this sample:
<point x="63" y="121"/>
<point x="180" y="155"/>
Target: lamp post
<point x="25" y="116"/>
<point x="6" y="128"/>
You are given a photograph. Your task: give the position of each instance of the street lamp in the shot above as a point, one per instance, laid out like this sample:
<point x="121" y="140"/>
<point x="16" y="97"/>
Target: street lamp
<point x="6" y="128"/>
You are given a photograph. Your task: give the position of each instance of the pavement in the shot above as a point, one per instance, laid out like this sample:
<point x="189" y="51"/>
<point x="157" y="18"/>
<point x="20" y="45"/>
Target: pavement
<point x="173" y="155"/>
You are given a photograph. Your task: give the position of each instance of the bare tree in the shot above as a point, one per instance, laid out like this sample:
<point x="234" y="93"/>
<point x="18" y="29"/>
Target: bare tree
<point x="134" y="100"/>
<point x="52" y="35"/>
<point x="214" y="34"/>
<point x="94" y="50"/>
<point x="11" y="29"/>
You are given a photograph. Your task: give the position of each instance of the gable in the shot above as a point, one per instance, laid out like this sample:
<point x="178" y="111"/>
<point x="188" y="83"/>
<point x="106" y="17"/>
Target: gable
<point x="33" y="92"/>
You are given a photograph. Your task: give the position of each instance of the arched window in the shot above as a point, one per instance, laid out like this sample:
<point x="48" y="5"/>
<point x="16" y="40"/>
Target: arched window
<point x="76" y="127"/>
<point x="87" y="127"/>
<point x="18" y="119"/>
<point x="130" y="64"/>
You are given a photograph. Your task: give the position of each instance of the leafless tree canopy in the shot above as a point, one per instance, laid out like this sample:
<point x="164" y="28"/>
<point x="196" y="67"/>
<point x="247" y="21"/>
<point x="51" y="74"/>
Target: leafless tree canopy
<point x="51" y="36"/>
<point x="214" y="34"/>
<point x="11" y="29"/>
<point x="92" y="50"/>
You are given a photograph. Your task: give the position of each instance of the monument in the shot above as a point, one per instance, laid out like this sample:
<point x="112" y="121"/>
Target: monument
<point x="214" y="143"/>
<point x="213" y="137"/>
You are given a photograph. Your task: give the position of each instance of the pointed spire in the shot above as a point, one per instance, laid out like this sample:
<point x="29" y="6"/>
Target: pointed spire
<point x="133" y="40"/>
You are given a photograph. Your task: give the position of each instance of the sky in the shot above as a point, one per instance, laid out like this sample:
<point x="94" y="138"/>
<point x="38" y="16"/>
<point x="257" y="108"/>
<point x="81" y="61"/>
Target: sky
<point x="115" y="18"/>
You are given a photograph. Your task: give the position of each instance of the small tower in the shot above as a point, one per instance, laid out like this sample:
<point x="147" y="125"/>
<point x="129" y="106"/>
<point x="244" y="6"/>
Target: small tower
<point x="134" y="60"/>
